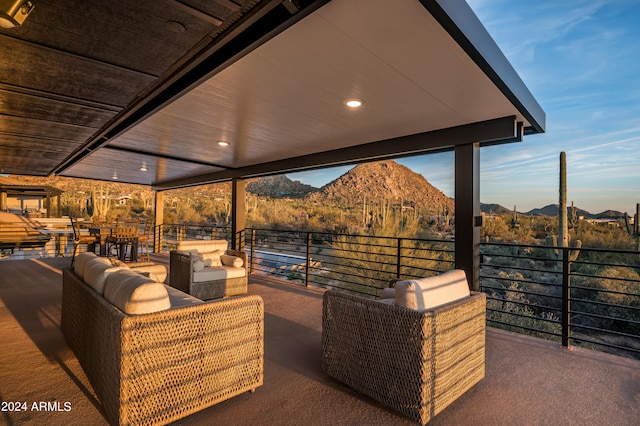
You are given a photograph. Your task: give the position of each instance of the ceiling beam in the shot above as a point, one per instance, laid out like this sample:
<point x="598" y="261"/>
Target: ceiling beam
<point x="164" y="156"/>
<point x="500" y="130"/>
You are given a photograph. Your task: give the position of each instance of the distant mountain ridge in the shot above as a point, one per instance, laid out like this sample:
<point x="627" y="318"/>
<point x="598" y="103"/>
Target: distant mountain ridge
<point x="551" y="210"/>
<point x="279" y="186"/>
<point x="383" y="181"/>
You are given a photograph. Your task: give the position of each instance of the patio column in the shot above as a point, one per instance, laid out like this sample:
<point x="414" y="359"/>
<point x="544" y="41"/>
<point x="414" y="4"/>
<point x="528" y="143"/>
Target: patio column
<point x="47" y="204"/>
<point x="158" y="212"/>
<point x="467" y="213"/>
<point x="3" y="202"/>
<point x="238" y="213"/>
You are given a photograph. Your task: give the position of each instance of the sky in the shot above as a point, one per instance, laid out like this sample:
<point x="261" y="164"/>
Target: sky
<point x="581" y="61"/>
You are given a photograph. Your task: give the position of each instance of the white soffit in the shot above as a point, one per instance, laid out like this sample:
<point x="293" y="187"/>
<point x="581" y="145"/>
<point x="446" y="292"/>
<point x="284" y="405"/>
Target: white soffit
<point x="285" y="99"/>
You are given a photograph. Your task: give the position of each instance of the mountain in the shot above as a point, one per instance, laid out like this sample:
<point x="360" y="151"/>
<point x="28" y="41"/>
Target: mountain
<point x="610" y="214"/>
<point x="279" y="186"/>
<point x="494" y="209"/>
<point x="550" y="210"/>
<point x="383" y="181"/>
<point x="553" y="209"/>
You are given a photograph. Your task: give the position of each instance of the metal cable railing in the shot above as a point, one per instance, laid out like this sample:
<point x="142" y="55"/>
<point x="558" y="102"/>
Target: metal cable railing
<point x="589" y="297"/>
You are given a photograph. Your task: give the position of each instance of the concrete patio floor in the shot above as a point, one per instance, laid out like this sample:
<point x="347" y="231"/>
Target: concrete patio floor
<point x="528" y="381"/>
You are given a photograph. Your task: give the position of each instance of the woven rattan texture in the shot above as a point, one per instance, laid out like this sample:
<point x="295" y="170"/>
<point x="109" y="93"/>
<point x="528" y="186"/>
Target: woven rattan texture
<point x="156" y="368"/>
<point x="415" y="362"/>
<point x="181" y="277"/>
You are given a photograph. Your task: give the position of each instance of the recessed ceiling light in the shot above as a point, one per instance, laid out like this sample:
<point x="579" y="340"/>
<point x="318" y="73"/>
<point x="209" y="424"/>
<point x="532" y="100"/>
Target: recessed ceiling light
<point x="353" y="103"/>
<point x="223" y="143"/>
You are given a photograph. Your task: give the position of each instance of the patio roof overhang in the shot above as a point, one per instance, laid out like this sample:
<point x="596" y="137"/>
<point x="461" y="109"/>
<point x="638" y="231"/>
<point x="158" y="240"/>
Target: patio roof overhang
<point x="102" y="91"/>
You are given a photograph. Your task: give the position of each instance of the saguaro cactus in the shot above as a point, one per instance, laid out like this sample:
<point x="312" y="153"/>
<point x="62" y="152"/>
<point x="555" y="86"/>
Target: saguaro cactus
<point x="573" y="217"/>
<point x="101" y="202"/>
<point x="563" y="230"/>
<point x="514" y="219"/>
<point x="634" y="230"/>
<point x="552" y="240"/>
<point x="563" y="222"/>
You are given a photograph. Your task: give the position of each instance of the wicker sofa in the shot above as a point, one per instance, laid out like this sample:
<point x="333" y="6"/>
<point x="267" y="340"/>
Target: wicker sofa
<point x="190" y="272"/>
<point x="417" y="361"/>
<point x="162" y="365"/>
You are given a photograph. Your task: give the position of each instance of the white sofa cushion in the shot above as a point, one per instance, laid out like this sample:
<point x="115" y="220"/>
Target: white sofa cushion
<point x="96" y="272"/>
<point x="81" y="261"/>
<point x="427" y="293"/>
<point x="202" y="246"/>
<point x="219" y="273"/>
<point x="234" y="261"/>
<point x="133" y="293"/>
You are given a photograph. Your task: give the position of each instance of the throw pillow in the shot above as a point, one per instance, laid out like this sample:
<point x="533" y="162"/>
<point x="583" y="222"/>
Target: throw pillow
<point x="198" y="266"/>
<point x="234" y="261"/>
<point x="388" y="293"/>
<point x="214" y="256"/>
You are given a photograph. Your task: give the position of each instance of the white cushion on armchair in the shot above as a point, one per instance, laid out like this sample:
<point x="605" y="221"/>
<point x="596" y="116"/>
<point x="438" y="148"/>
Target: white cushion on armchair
<point x="429" y="292"/>
<point x="202" y="246"/>
<point x="219" y="273"/>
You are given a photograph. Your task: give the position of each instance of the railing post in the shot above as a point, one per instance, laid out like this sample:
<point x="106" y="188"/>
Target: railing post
<point x="566" y="297"/>
<point x="253" y="245"/>
<point x="307" y="271"/>
<point x="157" y="239"/>
<point x="399" y="258"/>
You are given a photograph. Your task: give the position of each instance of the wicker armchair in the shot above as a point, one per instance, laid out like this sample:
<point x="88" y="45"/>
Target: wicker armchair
<point x="417" y="362"/>
<point x="183" y="275"/>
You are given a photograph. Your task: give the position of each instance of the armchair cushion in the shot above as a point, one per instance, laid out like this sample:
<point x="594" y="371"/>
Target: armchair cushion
<point x="220" y="273"/>
<point x="429" y="292"/>
<point x="202" y="246"/>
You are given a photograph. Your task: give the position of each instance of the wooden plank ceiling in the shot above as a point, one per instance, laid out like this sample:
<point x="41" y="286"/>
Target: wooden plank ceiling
<point x="144" y="90"/>
<point x="75" y="65"/>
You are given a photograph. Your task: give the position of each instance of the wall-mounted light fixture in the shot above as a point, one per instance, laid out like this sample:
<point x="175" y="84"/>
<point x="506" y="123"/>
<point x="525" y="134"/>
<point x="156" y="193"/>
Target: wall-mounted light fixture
<point x="143" y="168"/>
<point x="115" y="175"/>
<point x="14" y="12"/>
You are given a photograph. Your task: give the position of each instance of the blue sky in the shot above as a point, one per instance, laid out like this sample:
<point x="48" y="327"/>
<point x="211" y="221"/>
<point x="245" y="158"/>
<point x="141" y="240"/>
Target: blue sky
<point x="581" y="61"/>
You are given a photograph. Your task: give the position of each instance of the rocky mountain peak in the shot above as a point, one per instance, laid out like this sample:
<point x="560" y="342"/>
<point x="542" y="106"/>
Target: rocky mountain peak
<point x="383" y="180"/>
